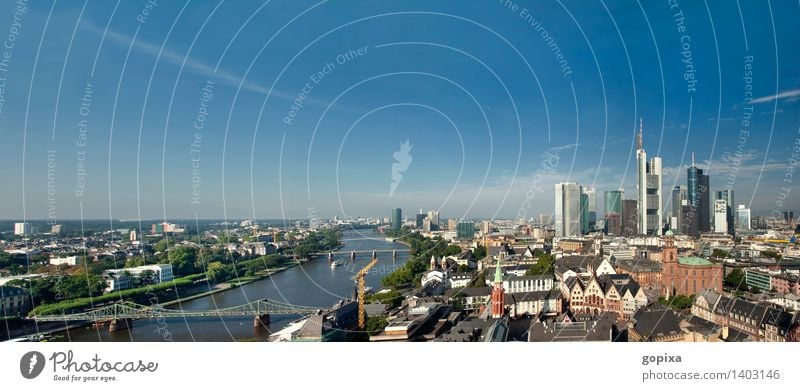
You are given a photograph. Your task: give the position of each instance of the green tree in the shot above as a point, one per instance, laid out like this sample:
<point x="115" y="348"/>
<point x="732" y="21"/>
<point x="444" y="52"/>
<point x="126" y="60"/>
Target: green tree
<point x="719" y="253"/>
<point x="134" y="262"/>
<point x="735" y="279"/>
<point x="542" y="266"/>
<point x="480" y="280"/>
<point x="183" y="260"/>
<point x="452" y="250"/>
<point x="217" y="272"/>
<point x="479" y="252"/>
<point x="376" y="324"/>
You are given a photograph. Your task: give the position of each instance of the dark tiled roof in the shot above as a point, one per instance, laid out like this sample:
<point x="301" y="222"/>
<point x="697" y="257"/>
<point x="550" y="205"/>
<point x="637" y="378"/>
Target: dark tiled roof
<point x="703" y="327"/>
<point x="723" y="305"/>
<point x="778" y="318"/>
<point x="655" y="320"/>
<point x="571" y="281"/>
<point x="638" y="265"/>
<point x="748" y="310"/>
<point x="579" y="262"/>
<point x="711" y="297"/>
<point x="531" y="296"/>
<point x="470" y="291"/>
<point x="597" y="328"/>
<point x="622" y="282"/>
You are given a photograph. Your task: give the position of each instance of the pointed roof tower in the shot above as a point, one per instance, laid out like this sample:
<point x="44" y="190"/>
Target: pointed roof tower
<point x="639" y="144"/>
<point x="498" y="273"/>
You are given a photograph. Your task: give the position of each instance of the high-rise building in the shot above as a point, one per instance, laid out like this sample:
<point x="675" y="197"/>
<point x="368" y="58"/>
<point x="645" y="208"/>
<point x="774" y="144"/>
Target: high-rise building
<point x="727" y="195"/>
<point x="584" y="214"/>
<point x="22" y="229"/>
<point x="788" y="216"/>
<point x="680" y="197"/>
<point x="486" y="228"/>
<point x="720" y="216"/>
<point x="452" y="224"/>
<point x="591" y="193"/>
<point x="613" y="201"/>
<point x="648" y="188"/>
<point x="759" y="222"/>
<point x="545" y="219"/>
<point x="699" y="197"/>
<point x="434" y="216"/>
<point x="613" y="205"/>
<point x="630" y="217"/>
<point x="568" y="209"/>
<point x="690" y="221"/>
<point x="397" y="217"/>
<point x="613" y="224"/>
<point x="742" y="217"/>
<point x="465" y="229"/>
<point x="420" y="217"/>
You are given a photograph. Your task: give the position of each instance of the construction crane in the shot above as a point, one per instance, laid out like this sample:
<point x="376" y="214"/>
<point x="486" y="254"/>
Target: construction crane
<point x="362" y="318"/>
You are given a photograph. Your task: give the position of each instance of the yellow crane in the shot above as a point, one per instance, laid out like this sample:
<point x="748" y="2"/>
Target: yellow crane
<point x="362" y="318"/>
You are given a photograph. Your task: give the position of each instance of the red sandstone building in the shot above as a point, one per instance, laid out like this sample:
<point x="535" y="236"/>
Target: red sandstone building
<point x="687" y="275"/>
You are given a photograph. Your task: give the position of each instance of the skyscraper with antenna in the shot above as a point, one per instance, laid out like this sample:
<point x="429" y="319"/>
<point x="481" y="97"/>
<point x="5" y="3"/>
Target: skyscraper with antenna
<point x="648" y="188"/>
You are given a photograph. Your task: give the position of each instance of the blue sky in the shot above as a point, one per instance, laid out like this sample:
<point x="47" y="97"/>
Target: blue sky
<point x="477" y="88"/>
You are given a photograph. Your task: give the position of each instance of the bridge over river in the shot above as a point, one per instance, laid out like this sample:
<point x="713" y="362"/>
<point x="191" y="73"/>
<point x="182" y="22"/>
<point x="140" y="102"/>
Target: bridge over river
<point x="119" y="315"/>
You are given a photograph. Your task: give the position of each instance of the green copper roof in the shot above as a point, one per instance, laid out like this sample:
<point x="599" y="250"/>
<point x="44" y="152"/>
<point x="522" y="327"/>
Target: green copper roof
<point x="693" y="261"/>
<point x="669" y="233"/>
<point x="498" y="273"/>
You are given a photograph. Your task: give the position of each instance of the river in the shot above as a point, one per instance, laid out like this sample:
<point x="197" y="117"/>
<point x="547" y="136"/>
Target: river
<point x="314" y="283"/>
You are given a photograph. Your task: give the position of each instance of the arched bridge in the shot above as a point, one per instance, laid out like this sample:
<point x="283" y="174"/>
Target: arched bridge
<point x="127" y="311"/>
<point x="353" y="253"/>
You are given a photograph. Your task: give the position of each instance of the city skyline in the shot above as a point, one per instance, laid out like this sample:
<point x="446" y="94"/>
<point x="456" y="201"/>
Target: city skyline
<point x="140" y="86"/>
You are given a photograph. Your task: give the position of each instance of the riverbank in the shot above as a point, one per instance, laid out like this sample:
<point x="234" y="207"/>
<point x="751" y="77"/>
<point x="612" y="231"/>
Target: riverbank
<point x="235" y="283"/>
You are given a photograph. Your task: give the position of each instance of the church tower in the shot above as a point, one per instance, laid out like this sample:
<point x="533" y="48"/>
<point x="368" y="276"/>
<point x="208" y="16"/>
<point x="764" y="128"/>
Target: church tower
<point x="498" y="293"/>
<point x="669" y="258"/>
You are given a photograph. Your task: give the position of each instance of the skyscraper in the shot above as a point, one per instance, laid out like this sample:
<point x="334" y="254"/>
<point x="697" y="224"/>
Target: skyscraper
<point x="584" y="214"/>
<point x="22" y="229"/>
<point x="613" y="201"/>
<point x="434" y="216"/>
<point x="648" y="188"/>
<point x="720" y="216"/>
<point x="698" y="187"/>
<point x="612" y="205"/>
<point x="465" y="229"/>
<point x="397" y="216"/>
<point x="591" y="193"/>
<point x="727" y="195"/>
<point x="630" y="217"/>
<point x="680" y="197"/>
<point x="419" y="219"/>
<point x="742" y="217"/>
<point x="568" y="209"/>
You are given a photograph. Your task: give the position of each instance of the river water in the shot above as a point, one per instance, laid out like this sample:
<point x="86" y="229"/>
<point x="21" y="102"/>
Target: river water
<point x="314" y="283"/>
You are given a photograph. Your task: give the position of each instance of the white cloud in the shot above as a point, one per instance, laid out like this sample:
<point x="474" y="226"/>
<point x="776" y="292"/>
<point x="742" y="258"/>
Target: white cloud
<point x="791" y="94"/>
<point x="194" y="66"/>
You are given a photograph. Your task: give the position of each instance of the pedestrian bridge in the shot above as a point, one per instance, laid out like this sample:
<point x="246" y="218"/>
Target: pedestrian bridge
<point x="127" y="311"/>
<point x="354" y="252"/>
